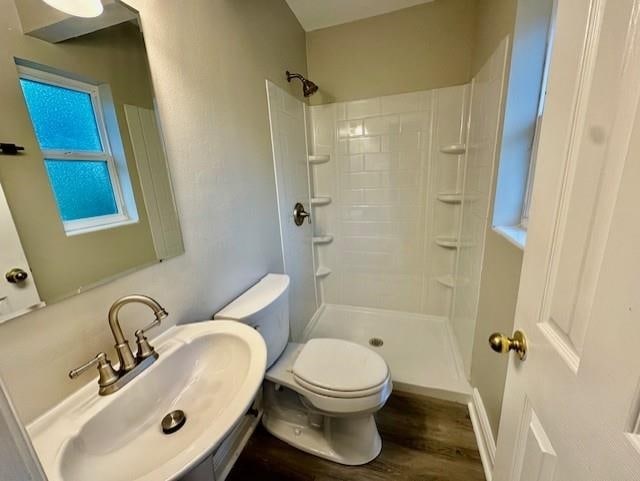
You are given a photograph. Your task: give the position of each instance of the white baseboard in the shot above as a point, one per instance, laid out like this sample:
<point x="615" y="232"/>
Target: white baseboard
<point x="484" y="435"/>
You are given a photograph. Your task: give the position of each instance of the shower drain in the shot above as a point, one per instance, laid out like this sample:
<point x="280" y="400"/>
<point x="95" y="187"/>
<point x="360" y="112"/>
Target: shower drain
<point x="376" y="342"/>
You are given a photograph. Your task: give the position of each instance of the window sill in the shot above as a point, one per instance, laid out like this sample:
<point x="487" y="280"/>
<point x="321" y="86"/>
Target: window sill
<point x="95" y="224"/>
<point x="514" y="234"/>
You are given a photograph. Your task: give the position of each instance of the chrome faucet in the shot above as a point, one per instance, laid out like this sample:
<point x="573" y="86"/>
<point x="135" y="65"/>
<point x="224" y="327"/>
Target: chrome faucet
<point x="130" y="366"/>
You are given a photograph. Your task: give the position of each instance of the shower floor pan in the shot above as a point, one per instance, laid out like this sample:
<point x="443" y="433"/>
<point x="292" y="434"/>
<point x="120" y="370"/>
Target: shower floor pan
<point x="420" y="350"/>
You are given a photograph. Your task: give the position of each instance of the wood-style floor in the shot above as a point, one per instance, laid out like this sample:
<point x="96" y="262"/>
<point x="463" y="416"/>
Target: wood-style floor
<point x="423" y="439"/>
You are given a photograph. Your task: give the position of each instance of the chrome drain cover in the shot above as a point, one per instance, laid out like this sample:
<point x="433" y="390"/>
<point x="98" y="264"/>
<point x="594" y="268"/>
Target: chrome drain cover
<point x="376" y="342"/>
<point x="173" y="421"/>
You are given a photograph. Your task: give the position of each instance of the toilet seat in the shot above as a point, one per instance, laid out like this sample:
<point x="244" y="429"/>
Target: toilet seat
<point x="340" y="394"/>
<point x="328" y="400"/>
<point x="340" y="369"/>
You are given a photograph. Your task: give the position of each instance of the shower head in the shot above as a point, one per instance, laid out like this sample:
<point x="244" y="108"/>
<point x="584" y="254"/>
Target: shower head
<point x="308" y="87"/>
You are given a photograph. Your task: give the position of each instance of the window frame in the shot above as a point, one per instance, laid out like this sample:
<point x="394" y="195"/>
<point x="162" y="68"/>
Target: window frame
<point x="517" y="161"/>
<point x="526" y="204"/>
<point x="87" y="224"/>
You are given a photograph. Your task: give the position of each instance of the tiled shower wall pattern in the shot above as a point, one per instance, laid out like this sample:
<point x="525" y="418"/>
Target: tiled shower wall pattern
<point x="392" y="236"/>
<point x="482" y="144"/>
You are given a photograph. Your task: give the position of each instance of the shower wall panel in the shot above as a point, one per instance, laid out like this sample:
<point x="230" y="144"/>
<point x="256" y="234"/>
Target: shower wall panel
<point x="485" y="119"/>
<point x="288" y="139"/>
<point x="388" y="203"/>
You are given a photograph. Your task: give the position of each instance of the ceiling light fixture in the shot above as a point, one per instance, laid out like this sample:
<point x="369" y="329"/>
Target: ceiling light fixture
<point x="78" y="8"/>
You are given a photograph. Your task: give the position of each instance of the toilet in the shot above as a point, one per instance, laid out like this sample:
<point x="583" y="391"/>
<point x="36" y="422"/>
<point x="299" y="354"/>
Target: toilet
<point x="319" y="396"/>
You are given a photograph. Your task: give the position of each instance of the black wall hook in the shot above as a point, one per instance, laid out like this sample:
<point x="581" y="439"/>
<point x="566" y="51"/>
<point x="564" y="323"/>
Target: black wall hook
<point x="10" y="149"/>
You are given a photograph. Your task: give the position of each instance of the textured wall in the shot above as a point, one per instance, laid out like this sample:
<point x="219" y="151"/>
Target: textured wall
<point x="419" y="48"/>
<point x="496" y="308"/>
<point x="502" y="261"/>
<point x="494" y="20"/>
<point x="209" y="60"/>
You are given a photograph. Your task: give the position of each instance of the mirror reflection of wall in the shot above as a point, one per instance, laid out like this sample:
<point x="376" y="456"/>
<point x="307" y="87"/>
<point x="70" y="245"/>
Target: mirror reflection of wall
<point x="90" y="197"/>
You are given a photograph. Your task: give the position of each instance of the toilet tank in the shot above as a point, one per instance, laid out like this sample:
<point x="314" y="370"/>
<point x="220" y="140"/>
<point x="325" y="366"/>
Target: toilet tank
<point x="264" y="307"/>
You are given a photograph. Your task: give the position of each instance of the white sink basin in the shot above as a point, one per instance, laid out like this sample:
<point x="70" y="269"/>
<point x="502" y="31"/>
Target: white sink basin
<point x="210" y="370"/>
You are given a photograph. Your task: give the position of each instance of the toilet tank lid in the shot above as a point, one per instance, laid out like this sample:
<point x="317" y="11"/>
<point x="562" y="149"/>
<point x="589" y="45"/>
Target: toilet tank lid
<point x="257" y="298"/>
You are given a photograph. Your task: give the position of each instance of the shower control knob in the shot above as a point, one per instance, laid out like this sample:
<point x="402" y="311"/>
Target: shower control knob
<point x="16" y="276"/>
<point x="503" y="344"/>
<point x="299" y="214"/>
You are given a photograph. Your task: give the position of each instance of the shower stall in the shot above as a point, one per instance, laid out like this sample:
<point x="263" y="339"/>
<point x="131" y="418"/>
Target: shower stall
<point x="398" y="191"/>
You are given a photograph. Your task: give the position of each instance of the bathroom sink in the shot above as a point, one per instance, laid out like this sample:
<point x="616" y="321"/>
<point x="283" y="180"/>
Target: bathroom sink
<point x="210" y="370"/>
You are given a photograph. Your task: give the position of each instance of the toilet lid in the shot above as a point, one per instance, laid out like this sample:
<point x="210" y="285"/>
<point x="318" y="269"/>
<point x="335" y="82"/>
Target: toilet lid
<point x="337" y="365"/>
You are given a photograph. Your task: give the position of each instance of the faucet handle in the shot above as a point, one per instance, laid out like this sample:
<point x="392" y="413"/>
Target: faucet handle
<point x="145" y="349"/>
<point x="107" y="375"/>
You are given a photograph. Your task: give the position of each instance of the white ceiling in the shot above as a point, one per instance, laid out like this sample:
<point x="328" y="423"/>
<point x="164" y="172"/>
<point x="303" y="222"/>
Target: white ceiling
<point x="315" y="14"/>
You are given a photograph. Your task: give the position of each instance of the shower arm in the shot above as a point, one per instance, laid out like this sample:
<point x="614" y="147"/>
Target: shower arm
<point x="291" y="76"/>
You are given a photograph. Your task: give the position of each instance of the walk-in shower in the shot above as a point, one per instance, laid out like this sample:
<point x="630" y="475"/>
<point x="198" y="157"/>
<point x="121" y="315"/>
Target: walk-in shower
<point x="398" y="189"/>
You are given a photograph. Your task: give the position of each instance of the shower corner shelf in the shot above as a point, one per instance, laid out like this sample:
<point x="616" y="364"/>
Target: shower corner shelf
<point x="323" y="239"/>
<point x="451" y="282"/>
<point x="450" y="197"/>
<point x="454" y="149"/>
<point x="320" y="200"/>
<point x="323" y="272"/>
<point x="447" y="281"/>
<point x="319" y="159"/>
<point x="447" y="242"/>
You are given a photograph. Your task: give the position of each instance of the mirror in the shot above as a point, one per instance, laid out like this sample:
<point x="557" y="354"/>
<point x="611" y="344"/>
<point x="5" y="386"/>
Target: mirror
<point x="86" y="193"/>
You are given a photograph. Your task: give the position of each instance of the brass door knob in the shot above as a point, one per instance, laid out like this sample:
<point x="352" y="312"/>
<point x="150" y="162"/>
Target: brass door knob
<point x="503" y="344"/>
<point x="16" y="276"/>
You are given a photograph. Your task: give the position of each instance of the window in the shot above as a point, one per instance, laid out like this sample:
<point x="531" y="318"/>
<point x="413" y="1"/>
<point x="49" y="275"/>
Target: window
<point x="530" y="56"/>
<point x="524" y="218"/>
<point x="69" y="124"/>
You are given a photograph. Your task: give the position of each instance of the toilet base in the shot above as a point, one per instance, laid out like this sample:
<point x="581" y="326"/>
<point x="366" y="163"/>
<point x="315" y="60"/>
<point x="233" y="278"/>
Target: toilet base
<point x="350" y="440"/>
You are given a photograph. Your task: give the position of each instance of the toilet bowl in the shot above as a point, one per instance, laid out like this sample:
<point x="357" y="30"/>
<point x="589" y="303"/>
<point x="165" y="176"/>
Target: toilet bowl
<point x="319" y="396"/>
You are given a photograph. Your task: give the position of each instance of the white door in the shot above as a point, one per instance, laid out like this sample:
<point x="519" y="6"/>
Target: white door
<point x="288" y="136"/>
<point x="15" y="298"/>
<point x="571" y="408"/>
